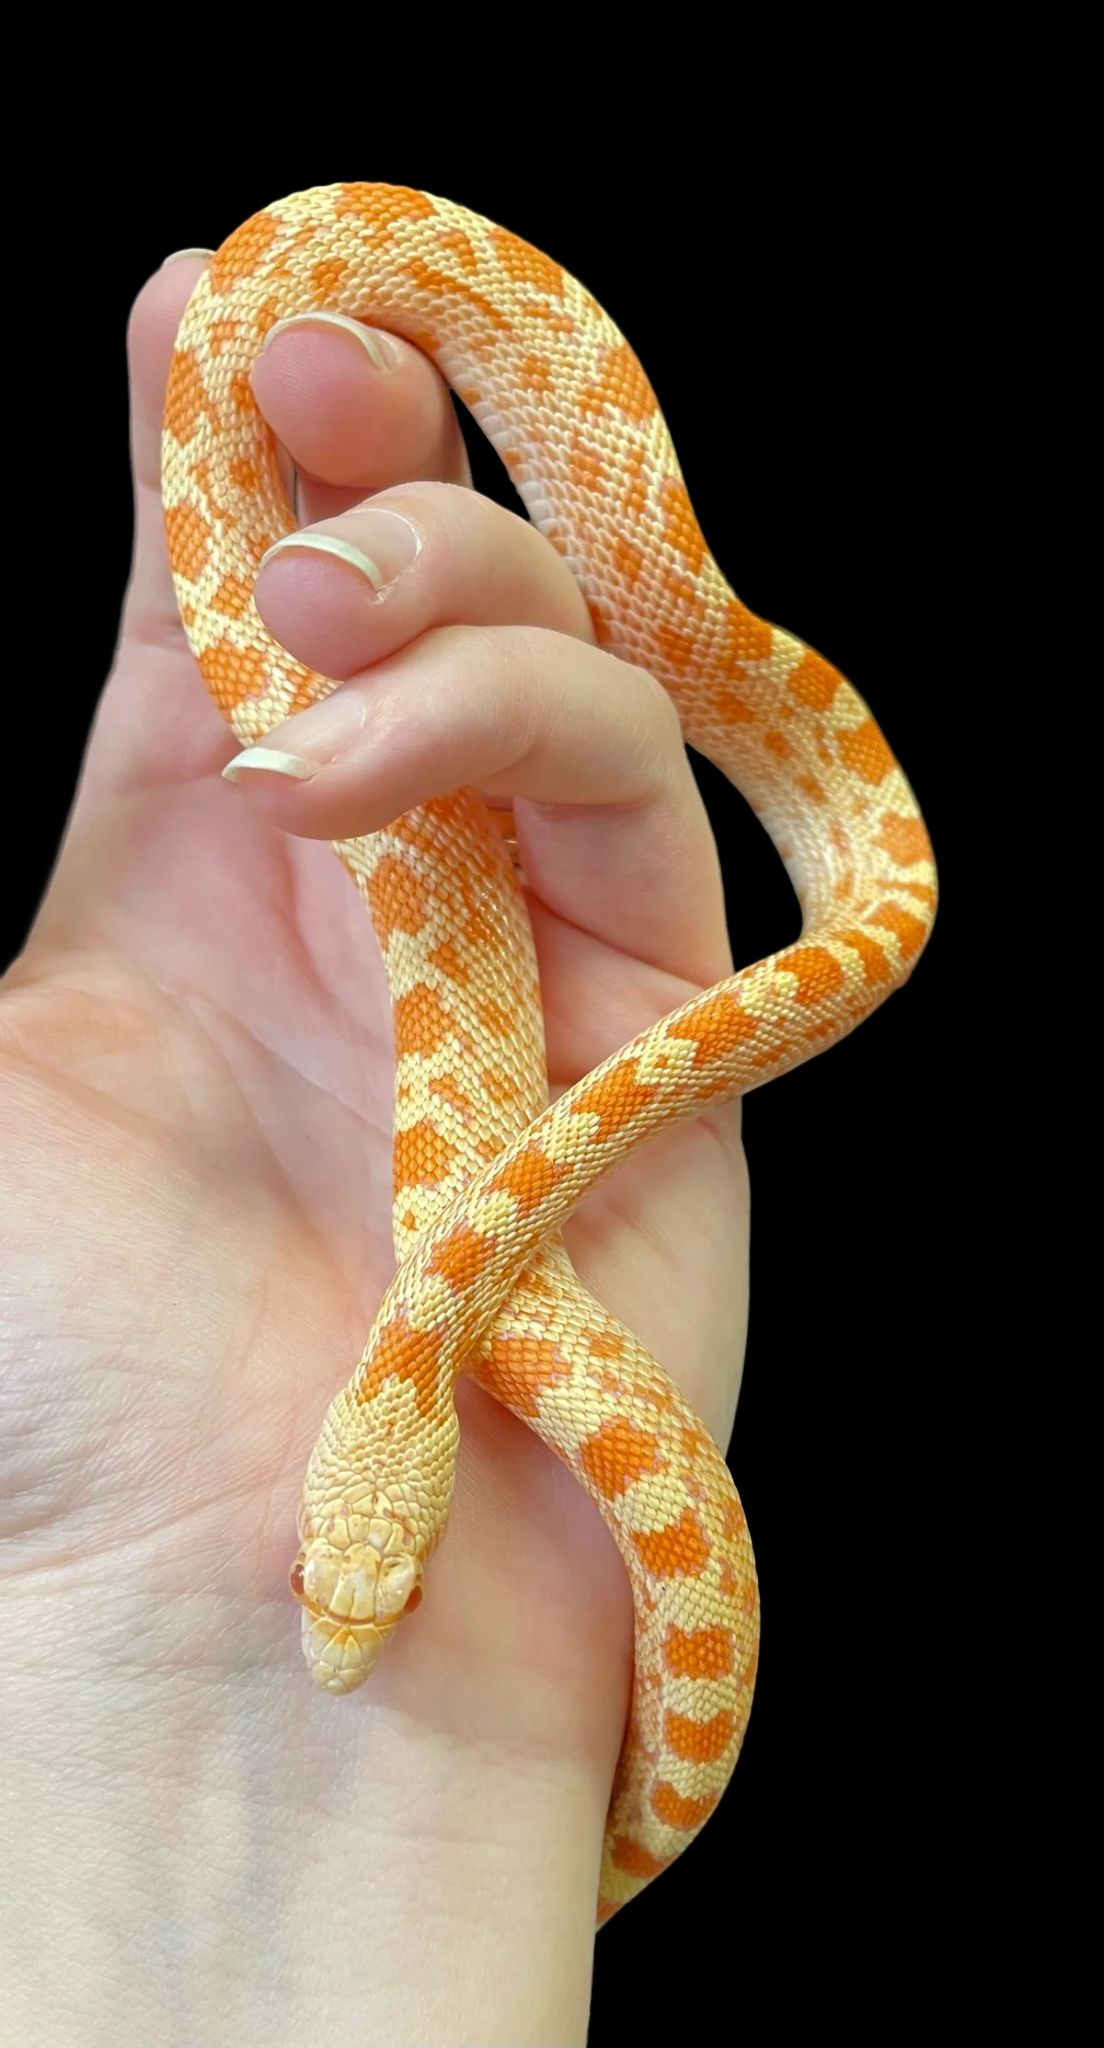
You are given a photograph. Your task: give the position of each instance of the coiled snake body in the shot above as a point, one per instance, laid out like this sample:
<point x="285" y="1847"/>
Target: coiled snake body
<point x="486" y="1170"/>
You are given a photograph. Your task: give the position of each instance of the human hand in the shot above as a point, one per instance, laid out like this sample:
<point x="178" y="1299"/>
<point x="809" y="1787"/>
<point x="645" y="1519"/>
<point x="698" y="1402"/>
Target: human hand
<point x="196" y="1067"/>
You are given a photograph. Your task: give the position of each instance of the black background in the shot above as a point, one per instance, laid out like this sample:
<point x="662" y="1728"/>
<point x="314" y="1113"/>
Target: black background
<point x="799" y="345"/>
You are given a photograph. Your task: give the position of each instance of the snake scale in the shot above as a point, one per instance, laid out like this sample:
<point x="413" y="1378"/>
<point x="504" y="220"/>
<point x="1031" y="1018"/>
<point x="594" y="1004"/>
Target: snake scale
<point x="486" y="1169"/>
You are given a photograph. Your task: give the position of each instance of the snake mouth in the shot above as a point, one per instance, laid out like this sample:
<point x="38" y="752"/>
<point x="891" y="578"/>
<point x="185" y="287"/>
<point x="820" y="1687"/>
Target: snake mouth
<point x="378" y="1625"/>
<point x="298" y="1587"/>
<point x="296" y="1580"/>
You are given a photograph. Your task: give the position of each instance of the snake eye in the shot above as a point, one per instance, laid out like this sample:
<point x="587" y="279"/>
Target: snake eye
<point x="414" y="1601"/>
<point x="295" y="1578"/>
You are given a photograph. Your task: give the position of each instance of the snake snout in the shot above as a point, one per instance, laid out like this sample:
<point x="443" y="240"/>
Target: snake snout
<point x="339" y="1655"/>
<point x="355" y="1581"/>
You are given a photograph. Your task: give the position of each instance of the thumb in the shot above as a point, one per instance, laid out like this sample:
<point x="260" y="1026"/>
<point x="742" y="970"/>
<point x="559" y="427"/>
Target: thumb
<point x="155" y="723"/>
<point x="151" y="612"/>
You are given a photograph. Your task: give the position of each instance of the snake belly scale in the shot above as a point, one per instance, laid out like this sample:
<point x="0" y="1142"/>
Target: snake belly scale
<point x="486" y="1169"/>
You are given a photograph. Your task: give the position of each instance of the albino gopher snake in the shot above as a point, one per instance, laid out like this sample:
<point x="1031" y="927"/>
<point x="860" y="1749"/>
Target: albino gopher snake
<point x="485" y="1170"/>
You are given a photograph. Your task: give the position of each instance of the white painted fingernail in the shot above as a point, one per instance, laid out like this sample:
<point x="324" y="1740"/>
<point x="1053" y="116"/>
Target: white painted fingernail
<point x="179" y="254"/>
<point x="322" y="737"/>
<point x="391" y="544"/>
<point x="269" y="761"/>
<point x="326" y="544"/>
<point x="379" y="349"/>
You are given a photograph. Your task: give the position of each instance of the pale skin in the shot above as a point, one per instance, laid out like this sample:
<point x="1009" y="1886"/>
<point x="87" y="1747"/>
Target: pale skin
<point x="196" y="1077"/>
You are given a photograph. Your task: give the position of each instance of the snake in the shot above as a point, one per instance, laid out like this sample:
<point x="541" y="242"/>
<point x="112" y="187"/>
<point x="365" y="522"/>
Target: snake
<point x="487" y="1168"/>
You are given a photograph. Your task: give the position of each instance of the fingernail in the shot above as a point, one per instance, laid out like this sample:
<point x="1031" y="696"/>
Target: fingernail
<point x="393" y="542"/>
<point x="379" y="348"/>
<point x="267" y="761"/>
<point x="178" y="255"/>
<point x="319" y="735"/>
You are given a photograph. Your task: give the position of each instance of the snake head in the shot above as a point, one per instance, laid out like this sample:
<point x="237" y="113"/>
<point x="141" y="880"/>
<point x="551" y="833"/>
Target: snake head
<point x="355" y="1575"/>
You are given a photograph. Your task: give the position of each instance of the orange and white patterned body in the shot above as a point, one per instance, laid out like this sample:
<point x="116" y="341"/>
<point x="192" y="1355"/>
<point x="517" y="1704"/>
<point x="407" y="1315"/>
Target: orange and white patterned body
<point x="486" y="1170"/>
